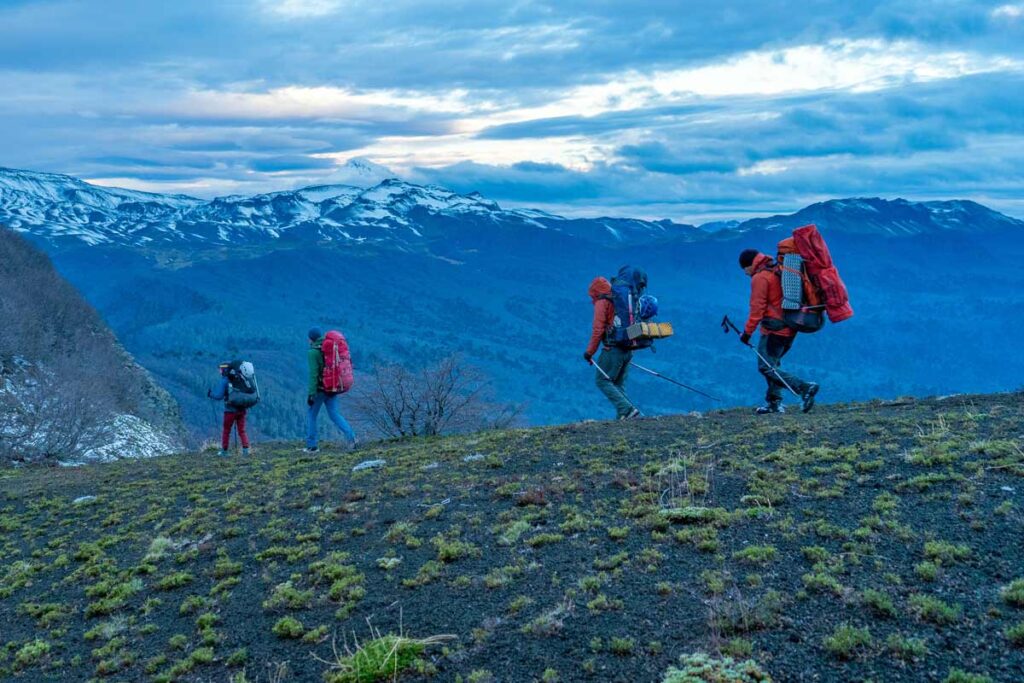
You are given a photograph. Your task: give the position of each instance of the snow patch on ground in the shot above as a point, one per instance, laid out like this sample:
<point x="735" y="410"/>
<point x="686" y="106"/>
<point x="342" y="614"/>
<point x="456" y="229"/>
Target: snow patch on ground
<point x="127" y="436"/>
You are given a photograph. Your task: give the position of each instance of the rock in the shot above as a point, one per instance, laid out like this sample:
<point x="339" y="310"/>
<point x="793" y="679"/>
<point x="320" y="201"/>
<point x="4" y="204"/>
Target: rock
<point x="369" y="465"/>
<point x="1008" y="489"/>
<point x="431" y="466"/>
<point x="82" y="500"/>
<point x="474" y="458"/>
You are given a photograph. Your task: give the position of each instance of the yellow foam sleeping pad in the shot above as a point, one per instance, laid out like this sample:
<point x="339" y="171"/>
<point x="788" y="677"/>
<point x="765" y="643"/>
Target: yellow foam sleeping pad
<point x="649" y="330"/>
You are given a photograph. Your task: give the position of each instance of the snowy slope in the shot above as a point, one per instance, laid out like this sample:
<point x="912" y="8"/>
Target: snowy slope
<point x="64" y="210"/>
<point x="889" y="218"/>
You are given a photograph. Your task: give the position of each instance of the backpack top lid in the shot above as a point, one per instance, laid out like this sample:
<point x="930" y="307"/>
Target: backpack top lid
<point x="636" y="278"/>
<point x="788" y="246"/>
<point x="246" y="369"/>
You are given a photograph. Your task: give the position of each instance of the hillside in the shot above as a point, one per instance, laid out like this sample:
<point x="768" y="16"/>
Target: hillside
<point x="68" y="389"/>
<point x="872" y="541"/>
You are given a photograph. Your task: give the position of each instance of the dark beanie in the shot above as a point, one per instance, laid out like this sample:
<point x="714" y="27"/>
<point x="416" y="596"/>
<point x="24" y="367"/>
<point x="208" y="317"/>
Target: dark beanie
<point x="315" y="333"/>
<point x="747" y="257"/>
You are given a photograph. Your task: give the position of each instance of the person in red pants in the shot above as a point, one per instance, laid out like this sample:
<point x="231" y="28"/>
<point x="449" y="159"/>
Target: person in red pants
<point x="234" y="416"/>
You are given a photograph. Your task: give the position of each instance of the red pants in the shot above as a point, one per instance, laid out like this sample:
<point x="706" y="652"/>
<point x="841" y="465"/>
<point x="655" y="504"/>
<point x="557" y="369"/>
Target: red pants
<point x="231" y="418"/>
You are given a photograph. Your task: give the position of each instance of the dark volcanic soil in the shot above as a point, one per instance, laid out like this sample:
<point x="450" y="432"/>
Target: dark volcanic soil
<point x="601" y="551"/>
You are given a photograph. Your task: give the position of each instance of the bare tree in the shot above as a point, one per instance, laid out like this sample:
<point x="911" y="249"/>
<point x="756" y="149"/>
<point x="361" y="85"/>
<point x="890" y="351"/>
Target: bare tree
<point x="448" y="397"/>
<point x="62" y="371"/>
<point x="50" y="412"/>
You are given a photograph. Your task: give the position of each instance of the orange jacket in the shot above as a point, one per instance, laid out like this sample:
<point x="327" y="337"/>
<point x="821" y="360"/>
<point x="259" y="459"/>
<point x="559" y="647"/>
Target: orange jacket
<point x="766" y="298"/>
<point x="604" y="312"/>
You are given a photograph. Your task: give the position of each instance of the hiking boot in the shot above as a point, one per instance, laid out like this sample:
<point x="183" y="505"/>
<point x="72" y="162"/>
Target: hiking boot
<point x="223" y="453"/>
<point x="311" y="449"/>
<point x="769" y="408"/>
<point x="245" y="451"/>
<point x="807" y="400"/>
<point x="631" y="415"/>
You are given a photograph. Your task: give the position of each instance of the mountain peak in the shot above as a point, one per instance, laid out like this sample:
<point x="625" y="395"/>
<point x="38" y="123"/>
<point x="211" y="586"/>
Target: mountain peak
<point x="889" y="217"/>
<point x="359" y="172"/>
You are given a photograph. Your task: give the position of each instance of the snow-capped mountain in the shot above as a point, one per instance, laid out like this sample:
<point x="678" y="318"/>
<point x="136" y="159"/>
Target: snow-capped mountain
<point x="65" y="210"/>
<point x="891" y="218"/>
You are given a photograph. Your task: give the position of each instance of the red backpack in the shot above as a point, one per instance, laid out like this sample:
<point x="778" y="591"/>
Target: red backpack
<point x="811" y="286"/>
<point x="337" y="377"/>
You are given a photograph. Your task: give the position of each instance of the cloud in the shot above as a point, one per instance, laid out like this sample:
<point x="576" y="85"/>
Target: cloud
<point x="301" y="9"/>
<point x="1010" y="12"/>
<point x="580" y="106"/>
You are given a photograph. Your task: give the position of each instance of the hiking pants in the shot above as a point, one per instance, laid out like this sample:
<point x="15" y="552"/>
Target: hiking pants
<point x="615" y="363"/>
<point x="329" y="401"/>
<point x="237" y="420"/>
<point x="773" y="347"/>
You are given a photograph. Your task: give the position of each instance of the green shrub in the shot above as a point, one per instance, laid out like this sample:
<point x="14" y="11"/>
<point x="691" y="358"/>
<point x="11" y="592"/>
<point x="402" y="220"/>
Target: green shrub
<point x="1015" y="634"/>
<point x="287" y="596"/>
<point x="946" y="553"/>
<point x="960" y="676"/>
<point x="934" y="610"/>
<point x="288" y="627"/>
<point x="906" y="648"/>
<point x="847" y="641"/>
<point x="380" y="659"/>
<point x="30" y="653"/>
<point x="623" y="647"/>
<point x="701" y="668"/>
<point x="879" y="602"/>
<point x="756" y="554"/>
<point x="175" y="580"/>
<point x="1014" y="593"/>
<point x="926" y="570"/>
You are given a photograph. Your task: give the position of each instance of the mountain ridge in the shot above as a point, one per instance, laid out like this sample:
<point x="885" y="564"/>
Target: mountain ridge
<point x="397" y="213"/>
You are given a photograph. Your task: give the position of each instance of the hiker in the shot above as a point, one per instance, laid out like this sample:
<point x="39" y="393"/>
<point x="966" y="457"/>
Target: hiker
<point x="329" y="377"/>
<point x="776" y="337"/>
<point x="613" y="363"/>
<point x="237" y="388"/>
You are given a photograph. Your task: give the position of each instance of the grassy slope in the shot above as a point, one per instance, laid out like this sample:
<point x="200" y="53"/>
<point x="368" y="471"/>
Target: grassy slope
<point x="549" y="552"/>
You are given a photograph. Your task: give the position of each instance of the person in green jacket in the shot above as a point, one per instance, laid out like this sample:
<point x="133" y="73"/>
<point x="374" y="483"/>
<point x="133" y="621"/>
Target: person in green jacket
<point x="317" y="398"/>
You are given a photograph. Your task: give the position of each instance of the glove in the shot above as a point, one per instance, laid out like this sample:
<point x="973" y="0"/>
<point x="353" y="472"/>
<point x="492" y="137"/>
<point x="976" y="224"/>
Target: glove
<point x="589" y="357"/>
<point x="745" y="338"/>
<point x="309" y="400"/>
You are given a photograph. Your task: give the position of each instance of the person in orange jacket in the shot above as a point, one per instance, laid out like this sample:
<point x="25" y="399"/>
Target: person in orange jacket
<point x="776" y="338"/>
<point x="613" y="362"/>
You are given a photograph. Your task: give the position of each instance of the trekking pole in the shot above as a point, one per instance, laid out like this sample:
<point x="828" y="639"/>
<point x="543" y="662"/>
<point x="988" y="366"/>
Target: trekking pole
<point x="601" y="370"/>
<point x="727" y="324"/>
<point x="607" y="377"/>
<point x="669" y="379"/>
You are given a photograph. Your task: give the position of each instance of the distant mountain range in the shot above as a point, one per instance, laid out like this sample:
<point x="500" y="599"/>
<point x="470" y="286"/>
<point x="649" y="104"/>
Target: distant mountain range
<point x="394" y="213"/>
<point x="411" y="273"/>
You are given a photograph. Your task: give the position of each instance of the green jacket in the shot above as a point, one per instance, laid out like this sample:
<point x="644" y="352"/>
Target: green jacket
<point x="315" y="359"/>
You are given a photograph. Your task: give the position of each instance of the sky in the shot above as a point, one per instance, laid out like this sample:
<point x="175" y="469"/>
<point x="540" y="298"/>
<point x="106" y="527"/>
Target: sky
<point x="693" y="111"/>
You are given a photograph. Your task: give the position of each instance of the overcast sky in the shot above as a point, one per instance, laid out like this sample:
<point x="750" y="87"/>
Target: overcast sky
<point x="683" y="110"/>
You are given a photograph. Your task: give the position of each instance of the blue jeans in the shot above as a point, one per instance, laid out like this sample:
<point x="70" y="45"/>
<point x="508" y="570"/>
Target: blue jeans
<point x="331" y="402"/>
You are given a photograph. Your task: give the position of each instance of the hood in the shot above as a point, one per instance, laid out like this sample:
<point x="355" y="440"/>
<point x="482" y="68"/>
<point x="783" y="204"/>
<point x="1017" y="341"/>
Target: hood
<point x="637" y="277"/>
<point x="598" y="287"/>
<point x="762" y="261"/>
